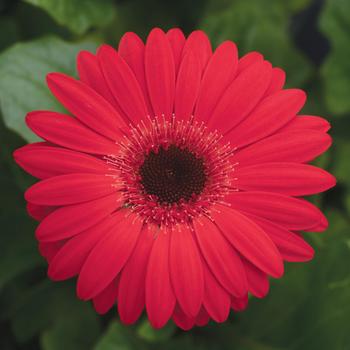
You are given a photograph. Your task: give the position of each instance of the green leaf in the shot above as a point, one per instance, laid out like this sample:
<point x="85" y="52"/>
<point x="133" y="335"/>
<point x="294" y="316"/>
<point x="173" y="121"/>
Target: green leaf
<point x="335" y="24"/>
<point x="23" y="68"/>
<point x="147" y="332"/>
<point x="119" y="337"/>
<point x="78" y="15"/>
<point x="9" y="31"/>
<point x="19" y="253"/>
<point x="256" y="26"/>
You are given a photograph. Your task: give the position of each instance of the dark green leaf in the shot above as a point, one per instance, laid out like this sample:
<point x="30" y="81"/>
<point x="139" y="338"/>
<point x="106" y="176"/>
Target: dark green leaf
<point x="256" y="26"/>
<point x="76" y="15"/>
<point x="335" y="24"/>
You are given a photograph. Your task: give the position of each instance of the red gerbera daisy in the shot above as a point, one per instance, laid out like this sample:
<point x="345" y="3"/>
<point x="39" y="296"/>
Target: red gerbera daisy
<point x="174" y="186"/>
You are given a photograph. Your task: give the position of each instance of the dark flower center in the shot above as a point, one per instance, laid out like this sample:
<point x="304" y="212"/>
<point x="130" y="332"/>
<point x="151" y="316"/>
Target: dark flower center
<point x="173" y="174"/>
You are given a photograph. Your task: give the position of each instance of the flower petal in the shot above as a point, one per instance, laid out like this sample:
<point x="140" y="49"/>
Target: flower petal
<point x="86" y="104"/>
<point x="293" y="146"/>
<point x="198" y="43"/>
<point x="291" y="213"/>
<point x="122" y="83"/>
<point x="241" y="97"/>
<point x="39" y="212"/>
<point x="70" y="220"/>
<point x="222" y="259"/>
<point x="62" y="130"/>
<point x="160" y="72"/>
<point x="186" y="270"/>
<point x="202" y="318"/>
<point x="182" y="320"/>
<point x="131" y="295"/>
<point x="249" y="239"/>
<point x="90" y="74"/>
<point x="239" y="304"/>
<point x="249" y="59"/>
<point x="277" y="82"/>
<point x="71" y="257"/>
<point x="70" y="189"/>
<point x="291" y="246"/>
<point x="109" y="256"/>
<point x="258" y="282"/>
<point x="307" y="122"/>
<point x="160" y="298"/>
<point x="45" y="161"/>
<point x="215" y="300"/>
<point x="48" y="250"/>
<point x="187" y="86"/>
<point x="177" y="41"/>
<point x="272" y="113"/>
<point x="105" y="300"/>
<point x="220" y="72"/>
<point x="132" y="50"/>
<point x="293" y="179"/>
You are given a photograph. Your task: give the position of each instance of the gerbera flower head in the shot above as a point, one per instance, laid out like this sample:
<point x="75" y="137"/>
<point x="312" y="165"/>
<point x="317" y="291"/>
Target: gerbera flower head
<point x="174" y="186"/>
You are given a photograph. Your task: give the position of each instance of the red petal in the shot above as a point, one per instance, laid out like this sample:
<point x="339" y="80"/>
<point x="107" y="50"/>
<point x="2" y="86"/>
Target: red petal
<point x="71" y="257"/>
<point x="122" y="83"/>
<point x="105" y="300"/>
<point x="70" y="189"/>
<point x="39" y="212"/>
<point x="199" y="44"/>
<point x="241" y="97"/>
<point x="291" y="246"/>
<point x="239" y="304"/>
<point x="44" y="162"/>
<point x="202" y="318"/>
<point x="68" y="132"/>
<point x="278" y="79"/>
<point x="109" y="256"/>
<point x="293" y="179"/>
<point x="292" y="213"/>
<point x="249" y="59"/>
<point x="177" y="41"/>
<point x="249" y="239"/>
<point x="186" y="270"/>
<point x="220" y="72"/>
<point x="216" y="300"/>
<point x="90" y="74"/>
<point x="258" y="282"/>
<point x="308" y="122"/>
<point x="132" y="49"/>
<point x="160" y="298"/>
<point x="70" y="220"/>
<point x="48" y="250"/>
<point x="86" y="104"/>
<point x="271" y="114"/>
<point x="295" y="146"/>
<point x="222" y="259"/>
<point x="182" y="320"/>
<point x="187" y="86"/>
<point x="131" y="294"/>
<point x="160" y="72"/>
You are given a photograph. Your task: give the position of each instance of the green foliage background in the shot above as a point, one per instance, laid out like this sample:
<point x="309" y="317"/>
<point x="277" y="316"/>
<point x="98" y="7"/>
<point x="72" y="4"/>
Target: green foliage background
<point x="307" y="309"/>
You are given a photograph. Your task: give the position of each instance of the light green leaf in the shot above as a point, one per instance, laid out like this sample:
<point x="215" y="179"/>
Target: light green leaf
<point x="335" y="24"/>
<point x="78" y="15"/>
<point x="256" y="26"/>
<point x="23" y="68"/>
<point x="147" y="332"/>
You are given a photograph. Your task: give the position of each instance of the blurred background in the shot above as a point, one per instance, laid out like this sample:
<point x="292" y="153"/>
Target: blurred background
<point x="307" y="309"/>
